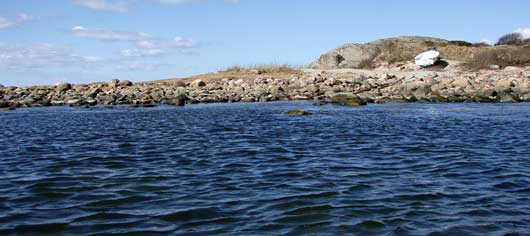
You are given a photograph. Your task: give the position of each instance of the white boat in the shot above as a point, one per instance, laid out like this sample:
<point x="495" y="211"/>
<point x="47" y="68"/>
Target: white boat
<point x="427" y="58"/>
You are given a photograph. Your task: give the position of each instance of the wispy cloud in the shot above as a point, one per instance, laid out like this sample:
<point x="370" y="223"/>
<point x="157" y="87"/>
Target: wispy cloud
<point x="191" y="1"/>
<point x="160" y="46"/>
<point x="23" y="57"/>
<point x="20" y="19"/>
<point x="108" y="35"/>
<point x="107" y="5"/>
<point x="145" y="45"/>
<point x="126" y="5"/>
<point x="139" y="65"/>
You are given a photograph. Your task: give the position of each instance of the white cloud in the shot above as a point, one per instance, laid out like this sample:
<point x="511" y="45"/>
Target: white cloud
<point x="145" y="44"/>
<point x="108" y="35"/>
<point x="107" y="5"/>
<point x="160" y="46"/>
<point x="142" y="52"/>
<point x="139" y="65"/>
<point x="20" y="19"/>
<point x="176" y="1"/>
<point x="525" y="32"/>
<point x="23" y="57"/>
<point x="125" y="5"/>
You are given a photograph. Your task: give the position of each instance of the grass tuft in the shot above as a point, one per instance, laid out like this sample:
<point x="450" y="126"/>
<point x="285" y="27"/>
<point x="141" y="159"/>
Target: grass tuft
<point x="264" y="69"/>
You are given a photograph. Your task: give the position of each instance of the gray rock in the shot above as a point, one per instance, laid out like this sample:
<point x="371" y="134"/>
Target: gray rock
<point x="113" y="83"/>
<point x="4" y="104"/>
<point x="508" y="98"/>
<point x="125" y="83"/>
<point x="73" y="102"/>
<point x="177" y="101"/>
<point x="198" y="83"/>
<point x="346" y="99"/>
<point x="354" y="55"/>
<point x="63" y="87"/>
<point x="297" y="112"/>
<point x="57" y="103"/>
<point x="503" y="85"/>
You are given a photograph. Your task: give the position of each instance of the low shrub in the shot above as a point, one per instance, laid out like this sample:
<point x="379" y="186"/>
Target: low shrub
<point x="460" y="43"/>
<point x="511" y="39"/>
<point x="481" y="44"/>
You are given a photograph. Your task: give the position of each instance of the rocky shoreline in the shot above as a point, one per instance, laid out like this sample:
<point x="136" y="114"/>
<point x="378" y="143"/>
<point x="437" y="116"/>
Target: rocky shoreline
<point x="401" y="83"/>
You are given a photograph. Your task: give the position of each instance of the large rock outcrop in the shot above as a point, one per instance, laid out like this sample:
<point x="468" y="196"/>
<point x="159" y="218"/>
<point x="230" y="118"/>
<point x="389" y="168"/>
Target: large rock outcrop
<point x="391" y="50"/>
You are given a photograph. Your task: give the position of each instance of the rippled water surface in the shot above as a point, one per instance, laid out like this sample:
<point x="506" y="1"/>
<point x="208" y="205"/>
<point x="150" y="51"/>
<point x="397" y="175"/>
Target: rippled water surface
<point x="245" y="169"/>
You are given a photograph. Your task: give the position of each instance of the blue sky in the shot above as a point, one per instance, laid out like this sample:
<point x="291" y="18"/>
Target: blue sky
<point x="79" y="41"/>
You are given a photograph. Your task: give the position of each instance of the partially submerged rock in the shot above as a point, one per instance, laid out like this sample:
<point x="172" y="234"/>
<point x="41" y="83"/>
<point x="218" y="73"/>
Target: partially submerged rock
<point x="176" y="101"/>
<point x="4" y="104"/>
<point x="297" y="112"/>
<point x="347" y="99"/>
<point x="142" y="105"/>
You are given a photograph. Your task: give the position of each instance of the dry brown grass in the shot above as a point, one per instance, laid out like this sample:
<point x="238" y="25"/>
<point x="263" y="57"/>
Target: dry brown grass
<point x="240" y="72"/>
<point x="502" y="56"/>
<point x="263" y="69"/>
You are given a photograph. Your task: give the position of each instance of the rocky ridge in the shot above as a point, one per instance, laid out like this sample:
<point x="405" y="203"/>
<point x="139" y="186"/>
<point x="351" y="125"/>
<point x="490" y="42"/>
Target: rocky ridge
<point x="383" y="52"/>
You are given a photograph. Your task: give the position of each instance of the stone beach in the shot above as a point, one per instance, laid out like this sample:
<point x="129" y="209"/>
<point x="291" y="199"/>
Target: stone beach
<point x="405" y="83"/>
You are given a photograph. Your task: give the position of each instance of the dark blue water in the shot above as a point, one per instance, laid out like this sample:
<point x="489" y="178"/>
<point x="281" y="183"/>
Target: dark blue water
<point x="245" y="169"/>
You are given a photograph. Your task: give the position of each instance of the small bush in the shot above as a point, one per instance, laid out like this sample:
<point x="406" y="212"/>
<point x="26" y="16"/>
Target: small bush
<point x="460" y="43"/>
<point x="481" y="44"/>
<point x="511" y="39"/>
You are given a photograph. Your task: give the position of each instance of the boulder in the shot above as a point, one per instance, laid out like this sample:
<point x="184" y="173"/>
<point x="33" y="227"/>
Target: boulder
<point x="91" y="102"/>
<point x="4" y="104"/>
<point x="503" y="85"/>
<point x="63" y="87"/>
<point x="379" y="52"/>
<point x="297" y="112"/>
<point x="176" y="101"/>
<point x="508" y="98"/>
<point x="346" y="99"/>
<point x="125" y="83"/>
<point x="198" y="83"/>
<point x="73" y="102"/>
<point x="113" y="83"/>
<point x="57" y="103"/>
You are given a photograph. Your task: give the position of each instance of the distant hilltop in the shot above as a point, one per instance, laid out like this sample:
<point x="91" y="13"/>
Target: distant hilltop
<point x="389" y="51"/>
